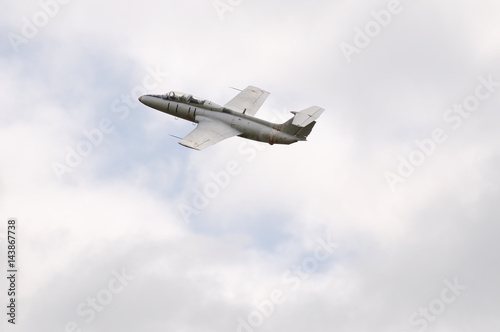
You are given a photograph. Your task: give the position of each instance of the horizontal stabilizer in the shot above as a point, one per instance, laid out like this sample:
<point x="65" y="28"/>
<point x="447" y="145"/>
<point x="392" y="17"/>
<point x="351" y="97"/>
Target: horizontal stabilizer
<point x="307" y="116"/>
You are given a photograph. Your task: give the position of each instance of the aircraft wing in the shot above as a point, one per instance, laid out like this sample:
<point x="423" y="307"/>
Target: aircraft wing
<point x="248" y="101"/>
<point x="207" y="133"/>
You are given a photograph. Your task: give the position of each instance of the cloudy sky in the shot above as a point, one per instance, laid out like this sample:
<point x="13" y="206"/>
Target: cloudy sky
<point x="386" y="219"/>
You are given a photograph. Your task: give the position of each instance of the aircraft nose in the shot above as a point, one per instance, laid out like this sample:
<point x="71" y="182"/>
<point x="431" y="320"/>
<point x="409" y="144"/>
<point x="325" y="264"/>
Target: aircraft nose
<point x="149" y="100"/>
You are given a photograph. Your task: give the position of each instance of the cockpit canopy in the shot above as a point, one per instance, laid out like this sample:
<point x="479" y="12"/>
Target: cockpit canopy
<point x="183" y="97"/>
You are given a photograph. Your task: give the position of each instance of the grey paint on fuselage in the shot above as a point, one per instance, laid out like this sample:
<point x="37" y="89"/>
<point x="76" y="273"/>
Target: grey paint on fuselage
<point x="251" y="127"/>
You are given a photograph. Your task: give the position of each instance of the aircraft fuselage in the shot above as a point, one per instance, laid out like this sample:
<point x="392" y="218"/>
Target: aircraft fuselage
<point x="250" y="127"/>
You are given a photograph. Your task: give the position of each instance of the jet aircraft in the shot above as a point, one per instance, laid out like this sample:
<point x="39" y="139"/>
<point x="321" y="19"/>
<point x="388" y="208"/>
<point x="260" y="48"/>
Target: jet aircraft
<point x="236" y="118"/>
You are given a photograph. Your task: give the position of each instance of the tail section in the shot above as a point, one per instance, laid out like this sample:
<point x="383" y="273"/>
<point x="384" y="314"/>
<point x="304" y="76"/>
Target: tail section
<point x="302" y="122"/>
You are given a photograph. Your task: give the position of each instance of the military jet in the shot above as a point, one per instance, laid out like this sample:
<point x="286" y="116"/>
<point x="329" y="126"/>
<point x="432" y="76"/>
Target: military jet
<point x="236" y="118"/>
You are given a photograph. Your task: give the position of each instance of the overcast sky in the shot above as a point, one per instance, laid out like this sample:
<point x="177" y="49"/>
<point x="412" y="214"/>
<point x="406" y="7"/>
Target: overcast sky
<point x="386" y="219"/>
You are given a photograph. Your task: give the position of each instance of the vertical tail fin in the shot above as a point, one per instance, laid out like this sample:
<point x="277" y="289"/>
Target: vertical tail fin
<point x="302" y="122"/>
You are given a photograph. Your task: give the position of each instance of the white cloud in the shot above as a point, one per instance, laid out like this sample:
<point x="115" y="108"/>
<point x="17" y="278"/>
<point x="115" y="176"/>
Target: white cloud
<point x="119" y="209"/>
